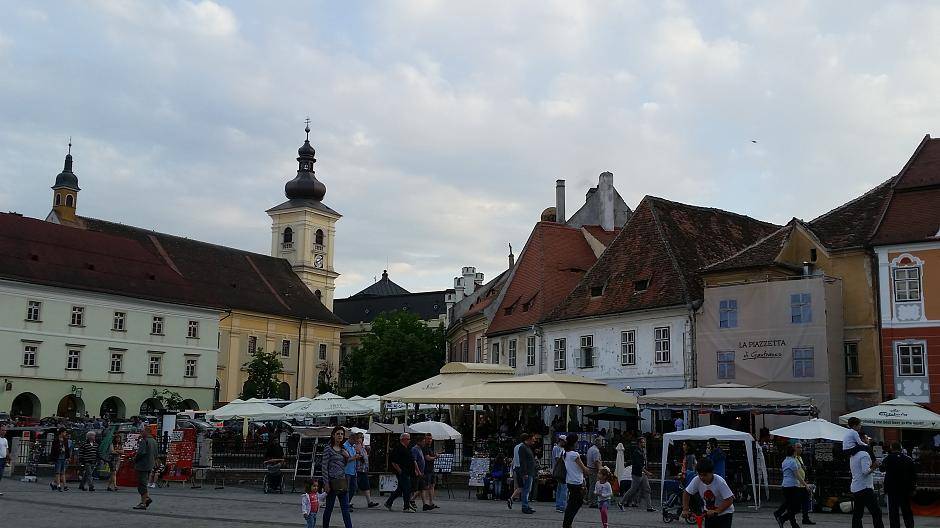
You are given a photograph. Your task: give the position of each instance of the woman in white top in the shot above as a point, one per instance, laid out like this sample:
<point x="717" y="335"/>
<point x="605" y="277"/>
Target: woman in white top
<point x="574" y="478"/>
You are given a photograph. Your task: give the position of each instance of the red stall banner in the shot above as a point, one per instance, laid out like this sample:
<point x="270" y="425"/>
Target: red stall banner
<point x="179" y="455"/>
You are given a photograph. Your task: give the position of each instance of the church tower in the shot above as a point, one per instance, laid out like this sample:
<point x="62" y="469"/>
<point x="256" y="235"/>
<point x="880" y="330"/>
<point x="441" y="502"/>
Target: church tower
<point x="303" y="228"/>
<point x="65" y="193"/>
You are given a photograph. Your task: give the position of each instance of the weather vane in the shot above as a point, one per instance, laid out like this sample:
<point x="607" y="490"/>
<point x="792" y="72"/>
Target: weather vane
<point x="70" y="144"/>
<point x="307" y="128"/>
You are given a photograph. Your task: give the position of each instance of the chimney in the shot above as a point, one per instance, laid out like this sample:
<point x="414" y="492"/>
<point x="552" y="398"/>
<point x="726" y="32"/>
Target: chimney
<point x="469" y="272"/>
<point x="605" y="194"/>
<point x="560" y="201"/>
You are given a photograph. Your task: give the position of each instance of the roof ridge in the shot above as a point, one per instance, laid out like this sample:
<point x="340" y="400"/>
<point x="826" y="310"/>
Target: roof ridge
<point x="878" y="187"/>
<point x="672" y="256"/>
<point x="788" y="225"/>
<point x="266" y="282"/>
<point x="706" y="208"/>
<point x="179" y="237"/>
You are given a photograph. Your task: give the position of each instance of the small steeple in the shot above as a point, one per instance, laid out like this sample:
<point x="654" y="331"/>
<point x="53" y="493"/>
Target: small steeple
<point x="65" y="192"/>
<point x="67" y="179"/>
<point x="305" y="185"/>
<point x="512" y="258"/>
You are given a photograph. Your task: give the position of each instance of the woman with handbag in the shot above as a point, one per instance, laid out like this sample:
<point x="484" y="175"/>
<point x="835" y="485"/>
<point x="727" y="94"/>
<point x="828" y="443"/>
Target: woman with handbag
<point x="335" y="458"/>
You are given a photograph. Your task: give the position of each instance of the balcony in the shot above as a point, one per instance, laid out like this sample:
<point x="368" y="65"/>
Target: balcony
<point x="287" y="246"/>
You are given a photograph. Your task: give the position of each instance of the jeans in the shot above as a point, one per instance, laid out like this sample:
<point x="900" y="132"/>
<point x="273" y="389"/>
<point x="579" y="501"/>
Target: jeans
<point x="575" y="501"/>
<point x="561" y="496"/>
<point x="898" y="503"/>
<point x="862" y="500"/>
<point x="497" y="488"/>
<point x="793" y="497"/>
<point x="403" y="491"/>
<point x="3" y="467"/>
<point x="526" y="491"/>
<point x="639" y="485"/>
<point x="343" y="505"/>
<point x="351" y="487"/>
<point x="311" y="521"/>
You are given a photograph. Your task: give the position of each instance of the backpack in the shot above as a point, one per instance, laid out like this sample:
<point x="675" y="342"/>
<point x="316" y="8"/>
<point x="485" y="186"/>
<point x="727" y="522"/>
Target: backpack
<point x="560" y="472"/>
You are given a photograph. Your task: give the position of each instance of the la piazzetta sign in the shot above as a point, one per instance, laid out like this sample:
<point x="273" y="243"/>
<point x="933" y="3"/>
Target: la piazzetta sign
<point x="761" y="349"/>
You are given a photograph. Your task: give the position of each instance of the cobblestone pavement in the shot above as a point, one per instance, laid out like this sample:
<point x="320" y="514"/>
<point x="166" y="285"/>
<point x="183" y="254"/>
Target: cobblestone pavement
<point x="178" y="506"/>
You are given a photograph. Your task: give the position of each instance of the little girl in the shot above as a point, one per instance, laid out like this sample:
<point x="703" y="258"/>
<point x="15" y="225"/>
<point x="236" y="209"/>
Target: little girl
<point x="604" y="491"/>
<point x="310" y="502"/>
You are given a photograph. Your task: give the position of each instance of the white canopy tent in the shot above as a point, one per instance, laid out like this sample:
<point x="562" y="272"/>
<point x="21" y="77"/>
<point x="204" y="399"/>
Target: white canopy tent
<point x="899" y="412"/>
<point x="704" y="433"/>
<point x="296" y="404"/>
<point x="813" y="429"/>
<point x="254" y="410"/>
<point x="373" y="402"/>
<point x="328" y="405"/>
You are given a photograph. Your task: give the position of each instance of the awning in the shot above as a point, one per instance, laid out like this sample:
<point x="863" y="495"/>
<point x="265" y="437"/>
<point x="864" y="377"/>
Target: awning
<point x="614" y="414"/>
<point x="452" y="376"/>
<point x="813" y="429"/>
<point x="900" y="413"/>
<point x="728" y="397"/>
<point x="538" y="389"/>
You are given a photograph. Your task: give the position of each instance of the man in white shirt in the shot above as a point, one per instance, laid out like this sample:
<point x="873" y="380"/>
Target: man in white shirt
<point x="863" y="489"/>
<point x="4" y="452"/>
<point x="715" y="493"/>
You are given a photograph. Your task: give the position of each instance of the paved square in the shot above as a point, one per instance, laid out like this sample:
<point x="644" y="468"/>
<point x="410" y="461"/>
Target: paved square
<point x="179" y="506"/>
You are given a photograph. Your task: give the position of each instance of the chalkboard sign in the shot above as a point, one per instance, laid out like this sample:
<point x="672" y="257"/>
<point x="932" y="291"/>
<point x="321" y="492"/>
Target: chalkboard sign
<point x="479" y="469"/>
<point x="444" y="463"/>
<point x="824" y="452"/>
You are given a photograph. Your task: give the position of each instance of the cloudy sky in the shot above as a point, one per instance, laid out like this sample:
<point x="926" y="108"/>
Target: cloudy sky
<point x="440" y="127"/>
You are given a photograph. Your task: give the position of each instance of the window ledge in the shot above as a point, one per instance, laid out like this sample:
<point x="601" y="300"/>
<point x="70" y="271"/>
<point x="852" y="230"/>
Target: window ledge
<point x="30" y="366"/>
<point x="155" y="334"/>
<point x="115" y="372"/>
<point x="191" y="377"/>
<point x="33" y="320"/>
<point x="72" y="369"/>
<point x="192" y="337"/>
<point x="151" y="374"/>
<point x="119" y="330"/>
<point x="77" y="326"/>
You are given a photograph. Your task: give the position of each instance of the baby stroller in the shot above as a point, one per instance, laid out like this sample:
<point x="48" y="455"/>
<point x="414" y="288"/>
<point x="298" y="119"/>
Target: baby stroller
<point x="273" y="479"/>
<point x="672" y="506"/>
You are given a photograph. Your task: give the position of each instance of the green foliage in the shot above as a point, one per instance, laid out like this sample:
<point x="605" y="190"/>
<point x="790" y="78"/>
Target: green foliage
<point x="399" y="351"/>
<point x="263" y="371"/>
<point x="169" y="400"/>
<point x="325" y="381"/>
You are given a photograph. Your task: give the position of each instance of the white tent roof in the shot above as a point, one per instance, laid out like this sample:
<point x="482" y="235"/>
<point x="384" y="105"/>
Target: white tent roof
<point x="438" y="430"/>
<point x="725" y="395"/>
<point x="899" y="412"/>
<point x="328" y="396"/>
<point x="296" y="404"/>
<point x="709" y="431"/>
<point x="329" y="407"/>
<point x="813" y="429"/>
<point x="257" y="410"/>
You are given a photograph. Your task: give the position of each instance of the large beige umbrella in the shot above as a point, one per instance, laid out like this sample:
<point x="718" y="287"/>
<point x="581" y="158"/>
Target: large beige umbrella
<point x="452" y="376"/>
<point x="537" y="389"/>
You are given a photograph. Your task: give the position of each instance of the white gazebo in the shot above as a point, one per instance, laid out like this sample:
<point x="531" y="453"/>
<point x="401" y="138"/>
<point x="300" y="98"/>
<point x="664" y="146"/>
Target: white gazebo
<point x="704" y="433"/>
<point x="899" y="412"/>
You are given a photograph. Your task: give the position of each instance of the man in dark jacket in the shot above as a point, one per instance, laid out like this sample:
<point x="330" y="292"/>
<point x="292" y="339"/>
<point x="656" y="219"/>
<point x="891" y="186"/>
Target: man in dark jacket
<point x="899" y="486"/>
<point x="529" y="471"/>
<point x="88" y="456"/>
<point x="639" y="482"/>
<point x="144" y="461"/>
<point x="404" y="466"/>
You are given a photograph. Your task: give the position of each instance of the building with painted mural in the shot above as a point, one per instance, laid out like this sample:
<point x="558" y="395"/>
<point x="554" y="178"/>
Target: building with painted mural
<point x="907" y="244"/>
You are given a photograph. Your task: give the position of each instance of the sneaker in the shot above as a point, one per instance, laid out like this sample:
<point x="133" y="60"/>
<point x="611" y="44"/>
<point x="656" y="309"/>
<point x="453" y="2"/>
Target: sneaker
<point x="620" y="505"/>
<point x="528" y="511"/>
<point x="434" y="506"/>
<point x="426" y="507"/>
<point x="559" y="510"/>
<point x="140" y="507"/>
<point x="779" y="520"/>
<point x="388" y="506"/>
<point x="409" y="509"/>
<point x="413" y="505"/>
<point x="509" y="502"/>
<point x="373" y="504"/>
<point x="152" y="485"/>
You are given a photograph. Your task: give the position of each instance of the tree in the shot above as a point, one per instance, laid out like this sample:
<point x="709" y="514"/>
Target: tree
<point x="325" y="381"/>
<point x="399" y="351"/>
<point x="169" y="400"/>
<point x="263" y="371"/>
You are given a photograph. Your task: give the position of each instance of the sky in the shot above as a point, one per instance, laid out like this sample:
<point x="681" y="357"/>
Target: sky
<point x="441" y="127"/>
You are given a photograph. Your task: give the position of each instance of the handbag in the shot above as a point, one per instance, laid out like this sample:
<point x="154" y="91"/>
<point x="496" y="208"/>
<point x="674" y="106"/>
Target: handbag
<point x="339" y="485"/>
<point x="560" y="472"/>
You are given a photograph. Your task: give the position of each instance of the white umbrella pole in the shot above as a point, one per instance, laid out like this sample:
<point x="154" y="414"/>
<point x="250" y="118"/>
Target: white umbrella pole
<point x="474" y="424"/>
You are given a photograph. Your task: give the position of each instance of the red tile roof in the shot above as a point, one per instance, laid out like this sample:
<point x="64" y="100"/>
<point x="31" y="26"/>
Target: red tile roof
<point x="850" y="225"/>
<point x="664" y="243"/>
<point x="762" y="253"/>
<point x="913" y="211"/>
<point x="41" y="252"/>
<point x="923" y="169"/>
<point x="553" y="261"/>
<point x="227" y="277"/>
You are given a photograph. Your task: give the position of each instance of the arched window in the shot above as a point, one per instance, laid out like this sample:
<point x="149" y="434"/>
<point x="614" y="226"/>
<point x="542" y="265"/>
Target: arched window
<point x="319" y="294"/>
<point x="58" y="199"/>
<point x="319" y="237"/>
<point x="288" y="235"/>
<point x="69" y="201"/>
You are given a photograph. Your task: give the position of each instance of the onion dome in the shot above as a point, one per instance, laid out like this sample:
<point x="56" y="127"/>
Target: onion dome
<point x="305" y="185"/>
<point x="67" y="179"/>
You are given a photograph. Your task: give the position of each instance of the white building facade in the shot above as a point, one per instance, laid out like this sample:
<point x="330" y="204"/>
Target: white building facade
<point x="70" y="352"/>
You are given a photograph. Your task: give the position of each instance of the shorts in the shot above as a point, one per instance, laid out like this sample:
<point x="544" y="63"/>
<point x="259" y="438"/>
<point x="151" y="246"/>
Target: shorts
<point x="363" y="483"/>
<point x="418" y="483"/>
<point x="143" y="477"/>
<point x="59" y="466"/>
<point x="429" y="479"/>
